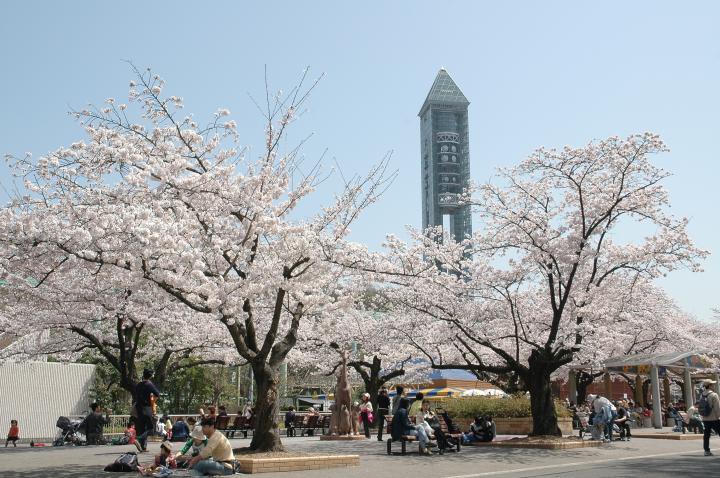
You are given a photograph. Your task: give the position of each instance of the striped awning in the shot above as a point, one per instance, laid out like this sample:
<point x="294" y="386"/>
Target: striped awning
<point x="432" y="392"/>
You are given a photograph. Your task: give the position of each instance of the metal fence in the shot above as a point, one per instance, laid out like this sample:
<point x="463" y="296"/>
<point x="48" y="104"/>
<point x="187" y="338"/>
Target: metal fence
<point x="37" y="393"/>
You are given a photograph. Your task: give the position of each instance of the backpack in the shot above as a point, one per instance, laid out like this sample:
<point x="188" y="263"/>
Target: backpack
<point x="125" y="462"/>
<point x="704" y="407"/>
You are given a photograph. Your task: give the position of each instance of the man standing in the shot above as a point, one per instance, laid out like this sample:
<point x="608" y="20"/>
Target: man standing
<point x="94" y="424"/>
<point x="709" y="408"/>
<point x="399" y="395"/>
<point x="383" y="403"/>
<point x="145" y="395"/>
<point x="217" y="457"/>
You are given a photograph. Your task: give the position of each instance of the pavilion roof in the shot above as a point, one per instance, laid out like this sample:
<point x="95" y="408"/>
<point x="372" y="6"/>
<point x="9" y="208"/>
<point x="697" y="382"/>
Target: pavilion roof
<point x="694" y="359"/>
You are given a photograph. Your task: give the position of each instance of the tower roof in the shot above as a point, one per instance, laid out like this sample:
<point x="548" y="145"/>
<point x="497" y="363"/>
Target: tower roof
<point x="444" y="91"/>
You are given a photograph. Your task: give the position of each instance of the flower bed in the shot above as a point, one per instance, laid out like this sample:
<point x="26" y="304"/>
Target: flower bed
<point x="511" y="415"/>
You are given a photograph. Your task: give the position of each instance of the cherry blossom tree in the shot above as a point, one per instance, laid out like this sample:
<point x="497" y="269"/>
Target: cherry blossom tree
<point x="74" y="310"/>
<point x="522" y="295"/>
<point x="378" y="354"/>
<point x="644" y="320"/>
<point x="181" y="207"/>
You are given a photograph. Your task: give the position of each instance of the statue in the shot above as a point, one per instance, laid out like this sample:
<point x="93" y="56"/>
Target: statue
<point x="342" y="411"/>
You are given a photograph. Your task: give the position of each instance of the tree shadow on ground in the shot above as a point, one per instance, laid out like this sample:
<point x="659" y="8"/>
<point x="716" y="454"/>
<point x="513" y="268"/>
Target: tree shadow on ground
<point x="75" y="471"/>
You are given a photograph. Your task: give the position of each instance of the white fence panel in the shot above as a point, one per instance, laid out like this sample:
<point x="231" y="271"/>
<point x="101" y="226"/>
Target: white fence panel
<point x="37" y="393"/>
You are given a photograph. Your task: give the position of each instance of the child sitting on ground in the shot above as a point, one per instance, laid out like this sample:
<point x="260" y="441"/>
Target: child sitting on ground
<point x="128" y="437"/>
<point x="166" y="457"/>
<point x="196" y="443"/>
<point x="14" y="434"/>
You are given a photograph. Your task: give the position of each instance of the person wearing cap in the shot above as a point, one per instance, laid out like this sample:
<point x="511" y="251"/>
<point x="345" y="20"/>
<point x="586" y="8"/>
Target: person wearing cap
<point x="711" y="420"/>
<point x="366" y="413"/>
<point x="216" y="458"/>
<point x="194" y="444"/>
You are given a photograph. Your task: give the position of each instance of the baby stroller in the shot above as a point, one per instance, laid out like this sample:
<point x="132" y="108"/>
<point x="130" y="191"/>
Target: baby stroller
<point x="447" y="434"/>
<point x="69" y="433"/>
<point x="583" y="421"/>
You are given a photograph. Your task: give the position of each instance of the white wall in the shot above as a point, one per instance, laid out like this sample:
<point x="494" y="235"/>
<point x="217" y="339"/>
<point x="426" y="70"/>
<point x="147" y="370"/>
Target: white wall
<point x="37" y="393"/>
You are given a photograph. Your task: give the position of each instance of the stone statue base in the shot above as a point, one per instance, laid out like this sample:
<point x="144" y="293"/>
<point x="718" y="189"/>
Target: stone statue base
<point x="342" y="437"/>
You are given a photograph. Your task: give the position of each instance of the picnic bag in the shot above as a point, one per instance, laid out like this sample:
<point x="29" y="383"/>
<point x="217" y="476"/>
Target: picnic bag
<point x="124" y="463"/>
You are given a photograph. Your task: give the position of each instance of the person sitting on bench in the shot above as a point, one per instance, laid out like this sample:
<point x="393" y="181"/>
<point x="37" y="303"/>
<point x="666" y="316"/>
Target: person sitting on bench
<point x="402" y="426"/>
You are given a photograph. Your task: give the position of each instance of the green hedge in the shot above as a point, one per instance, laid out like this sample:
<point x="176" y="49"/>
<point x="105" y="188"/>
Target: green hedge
<point x="511" y="407"/>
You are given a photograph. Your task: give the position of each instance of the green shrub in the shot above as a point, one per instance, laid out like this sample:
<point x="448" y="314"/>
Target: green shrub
<point x="511" y="407"/>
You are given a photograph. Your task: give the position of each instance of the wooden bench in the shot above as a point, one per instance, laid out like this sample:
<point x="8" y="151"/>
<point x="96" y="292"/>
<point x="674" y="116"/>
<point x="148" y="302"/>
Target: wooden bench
<point x="444" y="427"/>
<point x="222" y="424"/>
<point x="297" y="424"/>
<point x="404" y="439"/>
<point x="324" y="424"/>
<point x="237" y="425"/>
<point x="313" y="423"/>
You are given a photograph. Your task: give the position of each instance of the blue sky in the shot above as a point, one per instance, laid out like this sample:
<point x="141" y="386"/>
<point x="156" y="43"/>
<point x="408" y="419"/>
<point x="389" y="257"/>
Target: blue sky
<point x="537" y="73"/>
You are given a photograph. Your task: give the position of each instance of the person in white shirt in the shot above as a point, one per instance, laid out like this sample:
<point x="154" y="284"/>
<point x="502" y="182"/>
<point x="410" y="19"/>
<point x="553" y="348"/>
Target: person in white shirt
<point x="217" y="457"/>
<point x="366" y="410"/>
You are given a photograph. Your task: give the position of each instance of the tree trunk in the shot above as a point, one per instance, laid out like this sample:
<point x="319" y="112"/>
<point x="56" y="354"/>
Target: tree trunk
<point x="373" y="388"/>
<point x="542" y="405"/>
<point x="582" y="381"/>
<point x="266" y="436"/>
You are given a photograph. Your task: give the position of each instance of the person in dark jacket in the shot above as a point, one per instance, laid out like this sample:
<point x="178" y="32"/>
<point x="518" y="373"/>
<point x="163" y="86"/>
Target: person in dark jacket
<point x="144" y="391"/>
<point x="401" y="425"/>
<point x="290" y="421"/>
<point x="94" y="423"/>
<point x="383" y="403"/>
<point x="180" y="430"/>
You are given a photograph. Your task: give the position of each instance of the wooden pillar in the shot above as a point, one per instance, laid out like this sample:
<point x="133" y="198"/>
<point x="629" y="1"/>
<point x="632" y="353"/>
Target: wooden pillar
<point x="688" y="389"/>
<point x="607" y="385"/>
<point x="655" y="386"/>
<point x="572" y="386"/>
<point x="666" y="390"/>
<point x="639" y="399"/>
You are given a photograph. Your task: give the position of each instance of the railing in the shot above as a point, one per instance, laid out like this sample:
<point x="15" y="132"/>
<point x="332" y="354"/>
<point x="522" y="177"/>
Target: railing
<point x="119" y="423"/>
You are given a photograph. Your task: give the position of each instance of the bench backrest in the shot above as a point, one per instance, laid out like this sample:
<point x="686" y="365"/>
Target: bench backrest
<point x="298" y="421"/>
<point x="312" y="421"/>
<point x="237" y="422"/>
<point x="221" y="423"/>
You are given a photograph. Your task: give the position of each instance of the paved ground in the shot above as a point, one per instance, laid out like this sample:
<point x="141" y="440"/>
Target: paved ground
<point x="638" y="458"/>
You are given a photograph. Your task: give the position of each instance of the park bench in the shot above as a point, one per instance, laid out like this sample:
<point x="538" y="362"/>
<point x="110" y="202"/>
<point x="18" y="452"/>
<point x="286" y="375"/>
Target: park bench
<point x="404" y="439"/>
<point x="297" y="424"/>
<point x="222" y="424"/>
<point x="242" y="425"/>
<point x="313" y="423"/>
<point x="445" y="428"/>
<point x="236" y="425"/>
<point x="324" y="424"/>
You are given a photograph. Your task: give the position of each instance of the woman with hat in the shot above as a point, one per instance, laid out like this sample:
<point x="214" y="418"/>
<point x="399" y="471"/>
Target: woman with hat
<point x="366" y="413"/>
